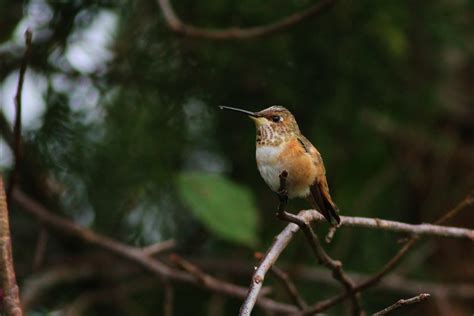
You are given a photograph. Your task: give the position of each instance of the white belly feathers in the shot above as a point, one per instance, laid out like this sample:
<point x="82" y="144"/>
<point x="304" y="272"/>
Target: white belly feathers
<point x="269" y="166"/>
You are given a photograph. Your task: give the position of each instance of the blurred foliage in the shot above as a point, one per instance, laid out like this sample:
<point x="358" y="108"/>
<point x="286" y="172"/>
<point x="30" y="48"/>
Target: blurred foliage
<point x="129" y="113"/>
<point x="226" y="208"/>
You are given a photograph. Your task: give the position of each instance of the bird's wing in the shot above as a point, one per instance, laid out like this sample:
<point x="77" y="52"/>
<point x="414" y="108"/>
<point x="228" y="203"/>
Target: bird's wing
<point x="319" y="190"/>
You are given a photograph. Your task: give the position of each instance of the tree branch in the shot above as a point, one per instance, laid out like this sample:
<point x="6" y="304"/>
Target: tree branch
<point x="137" y="255"/>
<point x="290" y="287"/>
<point x="313" y="240"/>
<point x="392" y="263"/>
<point x="417" y="229"/>
<point x="235" y="33"/>
<point x="287" y="283"/>
<point x="403" y="302"/>
<point x="323" y="258"/>
<point x="392" y="282"/>
<point x="321" y="255"/>
<point x="282" y="240"/>
<point x="18" y="109"/>
<point x="159" y="247"/>
<point x="8" y="285"/>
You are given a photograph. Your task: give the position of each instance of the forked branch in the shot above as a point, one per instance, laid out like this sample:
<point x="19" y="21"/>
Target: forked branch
<point x="393" y="262"/>
<point x="321" y="255"/>
<point x="137" y="255"/>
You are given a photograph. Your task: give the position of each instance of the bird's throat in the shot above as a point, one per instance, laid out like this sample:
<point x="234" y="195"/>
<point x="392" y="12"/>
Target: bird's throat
<point x="268" y="136"/>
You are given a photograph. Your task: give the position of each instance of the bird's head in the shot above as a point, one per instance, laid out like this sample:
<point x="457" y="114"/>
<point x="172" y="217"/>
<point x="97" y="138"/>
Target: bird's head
<point x="273" y="124"/>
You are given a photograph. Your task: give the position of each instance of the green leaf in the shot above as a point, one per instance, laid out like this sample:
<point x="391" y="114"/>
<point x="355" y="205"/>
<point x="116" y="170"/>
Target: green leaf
<point x="224" y="207"/>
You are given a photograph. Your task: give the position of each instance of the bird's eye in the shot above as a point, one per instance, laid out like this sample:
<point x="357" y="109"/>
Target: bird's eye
<point x="276" y="118"/>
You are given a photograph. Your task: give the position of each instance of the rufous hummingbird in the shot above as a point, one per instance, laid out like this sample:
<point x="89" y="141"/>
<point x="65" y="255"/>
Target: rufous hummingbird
<point x="282" y="149"/>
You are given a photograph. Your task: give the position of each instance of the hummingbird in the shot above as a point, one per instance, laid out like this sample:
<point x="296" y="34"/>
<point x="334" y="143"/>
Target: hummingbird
<point x="282" y="149"/>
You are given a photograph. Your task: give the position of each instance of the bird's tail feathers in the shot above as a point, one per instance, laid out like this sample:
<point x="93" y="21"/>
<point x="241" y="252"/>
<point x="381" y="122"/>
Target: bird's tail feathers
<point x="324" y="204"/>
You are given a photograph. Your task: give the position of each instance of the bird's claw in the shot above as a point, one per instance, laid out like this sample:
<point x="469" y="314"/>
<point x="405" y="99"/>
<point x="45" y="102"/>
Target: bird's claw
<point x="283" y="191"/>
<point x="283" y="195"/>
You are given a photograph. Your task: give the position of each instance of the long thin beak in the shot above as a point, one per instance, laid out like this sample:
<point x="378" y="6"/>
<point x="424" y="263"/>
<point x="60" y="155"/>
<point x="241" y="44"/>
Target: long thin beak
<point x="253" y="114"/>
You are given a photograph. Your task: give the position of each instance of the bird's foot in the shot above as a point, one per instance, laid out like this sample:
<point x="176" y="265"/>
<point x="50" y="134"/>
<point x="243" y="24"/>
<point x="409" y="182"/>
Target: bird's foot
<point x="282" y="192"/>
<point x="283" y="195"/>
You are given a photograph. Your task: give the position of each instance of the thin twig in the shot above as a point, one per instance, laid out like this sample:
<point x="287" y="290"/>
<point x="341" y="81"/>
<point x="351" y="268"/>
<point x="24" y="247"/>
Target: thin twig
<point x="392" y="282"/>
<point x="168" y="299"/>
<point x="115" y="294"/>
<point x="18" y="109"/>
<point x="287" y="283"/>
<point x="189" y="267"/>
<point x="159" y="247"/>
<point x="236" y="33"/>
<point x="200" y="275"/>
<point x="402" y="302"/>
<point x="321" y="255"/>
<point x="392" y="263"/>
<point x="40" y="248"/>
<point x="290" y="287"/>
<point x="136" y="255"/>
<point x="11" y="295"/>
<point x="417" y="229"/>
<point x="40" y="283"/>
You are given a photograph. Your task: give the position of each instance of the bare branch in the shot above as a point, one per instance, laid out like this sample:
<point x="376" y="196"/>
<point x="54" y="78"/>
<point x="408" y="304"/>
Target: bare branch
<point x="159" y="247"/>
<point x="279" y="244"/>
<point x="321" y="255"/>
<point x="200" y="275"/>
<point x="36" y="286"/>
<point x="417" y="229"/>
<point x="392" y="282"/>
<point x="313" y="240"/>
<point x="191" y="268"/>
<point x="282" y="240"/>
<point x="115" y="294"/>
<point x="18" y="109"/>
<point x="168" y="300"/>
<point x="236" y="33"/>
<point x="392" y="263"/>
<point x="287" y="283"/>
<point x="403" y="302"/>
<point x="11" y="295"/>
<point x="290" y="287"/>
<point x="40" y="248"/>
<point x="136" y="255"/>
<point x="8" y="285"/>
<point x="334" y="265"/>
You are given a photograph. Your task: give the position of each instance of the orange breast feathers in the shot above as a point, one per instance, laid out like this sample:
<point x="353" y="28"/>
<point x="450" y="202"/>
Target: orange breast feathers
<point x="301" y="167"/>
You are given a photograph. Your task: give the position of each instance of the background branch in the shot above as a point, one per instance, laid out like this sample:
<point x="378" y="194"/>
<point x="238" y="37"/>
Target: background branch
<point x="137" y="255"/>
<point x="403" y="302"/>
<point x="235" y="33"/>
<point x="17" y="150"/>
<point x="8" y="283"/>
<point x="287" y="283"/>
<point x="300" y="272"/>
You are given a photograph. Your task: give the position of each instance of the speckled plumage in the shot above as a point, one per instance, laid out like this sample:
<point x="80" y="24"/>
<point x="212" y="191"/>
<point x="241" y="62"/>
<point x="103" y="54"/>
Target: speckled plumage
<point x="275" y="133"/>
